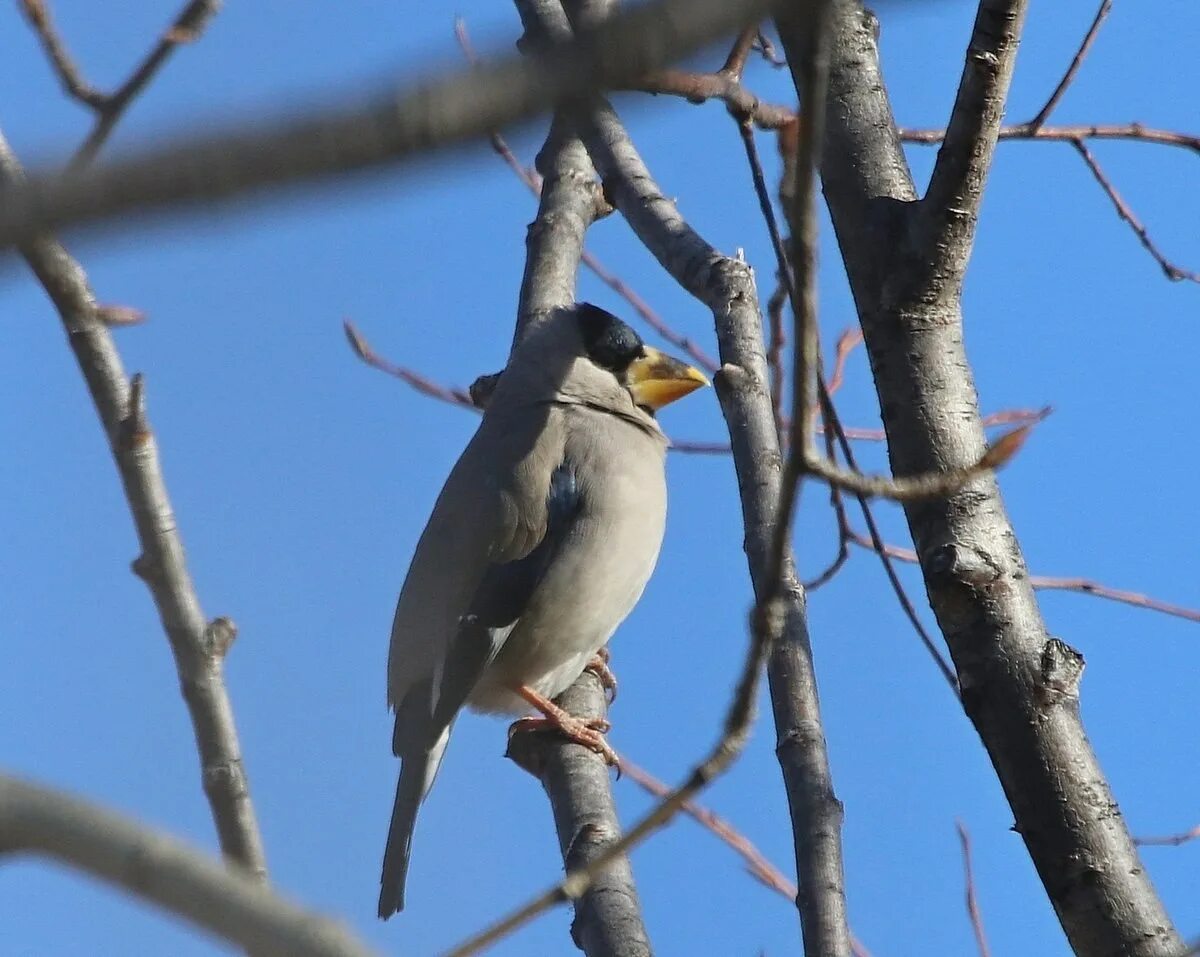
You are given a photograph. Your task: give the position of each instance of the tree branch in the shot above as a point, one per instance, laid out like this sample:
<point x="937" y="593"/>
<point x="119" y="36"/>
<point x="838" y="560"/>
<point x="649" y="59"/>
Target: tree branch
<point x="198" y="646"/>
<point x="150" y="865"/>
<point x="1019" y="685"/>
<point x="367" y="130"/>
<point x="952" y="201"/>
<point x="727" y="288"/>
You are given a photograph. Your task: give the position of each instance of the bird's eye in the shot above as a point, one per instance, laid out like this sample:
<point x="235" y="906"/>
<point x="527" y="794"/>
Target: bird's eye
<point x="610" y="343"/>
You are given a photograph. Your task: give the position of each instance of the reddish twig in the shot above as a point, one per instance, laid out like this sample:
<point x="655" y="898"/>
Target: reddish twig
<point x="1169" y="840"/>
<point x="1172" y="272"/>
<point x="735" y="63"/>
<point x="1076" y="62"/>
<point x="763" y="44"/>
<point x="453" y="395"/>
<point x="1135" y="132"/>
<point x="972" y="900"/>
<point x="1084" y="586"/>
<point x="702" y="87"/>
<point x="759" y="867"/>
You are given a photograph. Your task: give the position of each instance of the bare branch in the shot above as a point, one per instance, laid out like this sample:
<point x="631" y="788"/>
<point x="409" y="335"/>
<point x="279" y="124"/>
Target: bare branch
<point x="199" y="661"/>
<point x="723" y="86"/>
<point x="608" y="919"/>
<point x="1020" y="685"/>
<point x="1134" y="132"/>
<point x="156" y="868"/>
<point x="1076" y="62"/>
<point x="735" y="63"/>
<point x="1170" y="270"/>
<point x="65" y="68"/>
<point x="365" y="130"/>
<point x="1084" y="586"/>
<point x="951" y="204"/>
<point x="973" y="912"/>
<point x="362" y="349"/>
<point x="1170" y="840"/>
<point x="186" y="28"/>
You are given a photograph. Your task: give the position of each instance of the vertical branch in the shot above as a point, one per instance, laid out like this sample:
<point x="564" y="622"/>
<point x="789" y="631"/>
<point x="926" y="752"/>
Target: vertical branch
<point x="608" y="915"/>
<point x="1019" y="686"/>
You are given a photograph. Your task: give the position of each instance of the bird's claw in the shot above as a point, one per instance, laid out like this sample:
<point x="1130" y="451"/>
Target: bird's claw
<point x="599" y="667"/>
<point x="588" y="732"/>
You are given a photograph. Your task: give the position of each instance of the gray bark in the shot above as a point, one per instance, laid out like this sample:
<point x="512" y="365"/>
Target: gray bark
<point x="726" y="287"/>
<point x="370" y="128"/>
<point x="1020" y="686"/>
<point x="198" y="646"/>
<point x="159" y="869"/>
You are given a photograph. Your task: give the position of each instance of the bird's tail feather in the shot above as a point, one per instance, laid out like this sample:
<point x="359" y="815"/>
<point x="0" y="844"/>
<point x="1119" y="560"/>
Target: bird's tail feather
<point x="417" y="772"/>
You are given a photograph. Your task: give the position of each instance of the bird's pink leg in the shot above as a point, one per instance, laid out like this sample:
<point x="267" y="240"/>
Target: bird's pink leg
<point x="586" y="731"/>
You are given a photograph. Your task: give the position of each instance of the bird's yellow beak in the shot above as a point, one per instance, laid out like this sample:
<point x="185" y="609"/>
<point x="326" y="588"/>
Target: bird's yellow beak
<point x="655" y="379"/>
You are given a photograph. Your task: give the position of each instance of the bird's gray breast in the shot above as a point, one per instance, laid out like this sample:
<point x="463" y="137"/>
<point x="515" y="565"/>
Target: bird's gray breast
<point x="599" y="569"/>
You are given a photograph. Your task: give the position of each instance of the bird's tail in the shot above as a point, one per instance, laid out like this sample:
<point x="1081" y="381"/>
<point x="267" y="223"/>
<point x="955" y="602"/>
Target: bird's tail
<point x="417" y="771"/>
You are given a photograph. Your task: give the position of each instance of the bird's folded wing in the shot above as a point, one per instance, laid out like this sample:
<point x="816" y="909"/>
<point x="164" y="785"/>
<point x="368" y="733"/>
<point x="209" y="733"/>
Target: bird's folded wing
<point x="478" y="553"/>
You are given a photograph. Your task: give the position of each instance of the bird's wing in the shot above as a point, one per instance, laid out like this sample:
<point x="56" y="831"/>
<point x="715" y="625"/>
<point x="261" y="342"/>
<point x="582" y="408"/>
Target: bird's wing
<point x="485" y="542"/>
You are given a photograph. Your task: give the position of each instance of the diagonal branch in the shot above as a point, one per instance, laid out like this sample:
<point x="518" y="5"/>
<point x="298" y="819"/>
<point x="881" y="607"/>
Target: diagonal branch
<point x="1170" y="270"/>
<point x="367" y="129"/>
<point x="154" y="867"/>
<point x="1076" y="62"/>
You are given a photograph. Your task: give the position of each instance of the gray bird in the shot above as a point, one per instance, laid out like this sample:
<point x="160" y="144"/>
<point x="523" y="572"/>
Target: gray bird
<point x="540" y="544"/>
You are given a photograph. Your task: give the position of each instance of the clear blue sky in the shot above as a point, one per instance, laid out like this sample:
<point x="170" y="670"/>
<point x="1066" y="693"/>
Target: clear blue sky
<point x="301" y="480"/>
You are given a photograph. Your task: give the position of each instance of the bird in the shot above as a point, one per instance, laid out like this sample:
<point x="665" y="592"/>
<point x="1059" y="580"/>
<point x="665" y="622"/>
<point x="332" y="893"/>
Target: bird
<point x="539" y="545"/>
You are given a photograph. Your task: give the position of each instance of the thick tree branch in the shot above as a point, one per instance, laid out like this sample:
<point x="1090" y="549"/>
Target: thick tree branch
<point x="726" y="286"/>
<point x="608" y="917"/>
<point x="1019" y="685"/>
<point x="161" y="870"/>
<point x="951" y="204"/>
<point x="367" y="130"/>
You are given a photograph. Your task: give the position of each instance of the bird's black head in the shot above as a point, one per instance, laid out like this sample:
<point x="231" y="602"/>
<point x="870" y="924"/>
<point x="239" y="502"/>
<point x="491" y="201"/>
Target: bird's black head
<point x="609" y="342"/>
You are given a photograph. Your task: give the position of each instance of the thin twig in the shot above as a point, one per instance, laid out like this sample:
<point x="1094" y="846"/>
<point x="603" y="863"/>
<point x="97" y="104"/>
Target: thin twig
<point x="735" y="63"/>
<point x="889" y="570"/>
<point x="154" y="867"/>
<point x="65" y="68"/>
<point x="1076" y="62"/>
<point x="702" y="87"/>
<point x="1084" y="586"/>
<point x="972" y="899"/>
<point x="759" y="867"/>
<point x="1169" y="840"/>
<point x="1134" y="132"/>
<point x="1170" y="270"/>
<point x="186" y="28"/>
<point x="451" y="394"/>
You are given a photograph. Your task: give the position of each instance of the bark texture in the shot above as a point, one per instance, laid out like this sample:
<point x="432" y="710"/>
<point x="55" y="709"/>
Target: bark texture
<point x="1020" y="686"/>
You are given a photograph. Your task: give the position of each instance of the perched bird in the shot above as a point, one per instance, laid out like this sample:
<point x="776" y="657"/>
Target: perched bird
<point x="540" y="544"/>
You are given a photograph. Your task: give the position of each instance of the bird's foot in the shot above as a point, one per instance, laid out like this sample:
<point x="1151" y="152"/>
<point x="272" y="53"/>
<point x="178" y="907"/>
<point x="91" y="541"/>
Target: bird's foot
<point x="599" y="667"/>
<point x="586" y="731"/>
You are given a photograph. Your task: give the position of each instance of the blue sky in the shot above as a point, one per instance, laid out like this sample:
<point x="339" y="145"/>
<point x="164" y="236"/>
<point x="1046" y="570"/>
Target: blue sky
<point x="301" y="480"/>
